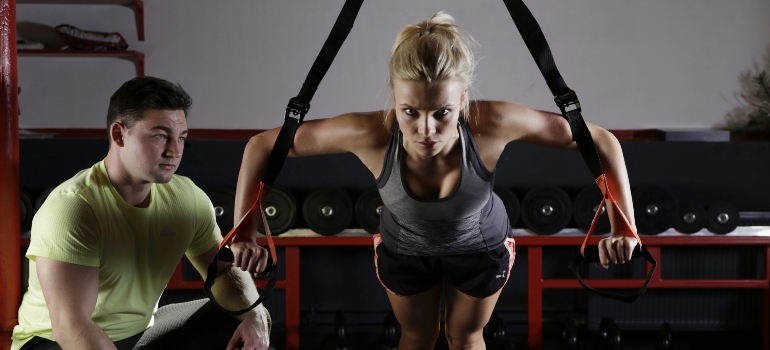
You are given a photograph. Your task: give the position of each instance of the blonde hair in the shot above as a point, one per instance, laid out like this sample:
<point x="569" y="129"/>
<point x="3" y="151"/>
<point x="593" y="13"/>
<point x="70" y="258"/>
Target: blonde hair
<point x="435" y="49"/>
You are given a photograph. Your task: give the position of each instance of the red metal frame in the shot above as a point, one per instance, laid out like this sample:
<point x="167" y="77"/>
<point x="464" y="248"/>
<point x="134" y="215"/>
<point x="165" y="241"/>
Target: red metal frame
<point x="10" y="255"/>
<point x="536" y="282"/>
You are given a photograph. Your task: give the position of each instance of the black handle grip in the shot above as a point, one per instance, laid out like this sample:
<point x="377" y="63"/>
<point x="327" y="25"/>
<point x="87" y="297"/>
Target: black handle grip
<point x="591" y="254"/>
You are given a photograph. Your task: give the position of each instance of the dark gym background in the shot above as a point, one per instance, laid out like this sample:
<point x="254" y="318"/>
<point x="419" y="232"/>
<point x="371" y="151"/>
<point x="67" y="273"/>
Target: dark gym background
<point x="343" y="279"/>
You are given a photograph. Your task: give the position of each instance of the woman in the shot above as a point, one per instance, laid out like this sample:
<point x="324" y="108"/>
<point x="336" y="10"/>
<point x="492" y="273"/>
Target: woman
<point x="433" y="156"/>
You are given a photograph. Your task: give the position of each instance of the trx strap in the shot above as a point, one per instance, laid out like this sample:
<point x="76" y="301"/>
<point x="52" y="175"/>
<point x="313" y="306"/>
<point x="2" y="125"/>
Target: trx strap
<point x="569" y="105"/>
<point x="295" y="113"/>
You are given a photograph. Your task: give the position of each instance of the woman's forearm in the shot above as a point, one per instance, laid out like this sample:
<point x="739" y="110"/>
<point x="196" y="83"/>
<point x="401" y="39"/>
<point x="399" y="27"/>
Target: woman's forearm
<point x="253" y="165"/>
<point x="614" y="166"/>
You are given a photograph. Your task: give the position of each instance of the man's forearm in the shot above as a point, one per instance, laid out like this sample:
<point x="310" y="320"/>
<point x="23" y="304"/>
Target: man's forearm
<point x="82" y="336"/>
<point x="234" y="289"/>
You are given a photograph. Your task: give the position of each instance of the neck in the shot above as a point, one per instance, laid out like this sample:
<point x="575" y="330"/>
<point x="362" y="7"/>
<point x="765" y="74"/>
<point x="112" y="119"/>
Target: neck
<point x="134" y="192"/>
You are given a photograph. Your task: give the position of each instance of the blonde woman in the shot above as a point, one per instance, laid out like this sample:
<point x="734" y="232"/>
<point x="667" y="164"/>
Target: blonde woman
<point x="433" y="157"/>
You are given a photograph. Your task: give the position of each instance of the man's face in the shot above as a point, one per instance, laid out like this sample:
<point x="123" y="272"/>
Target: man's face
<point x="153" y="146"/>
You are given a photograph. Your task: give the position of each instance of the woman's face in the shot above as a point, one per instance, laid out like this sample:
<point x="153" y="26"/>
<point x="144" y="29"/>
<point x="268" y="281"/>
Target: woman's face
<point x="427" y="114"/>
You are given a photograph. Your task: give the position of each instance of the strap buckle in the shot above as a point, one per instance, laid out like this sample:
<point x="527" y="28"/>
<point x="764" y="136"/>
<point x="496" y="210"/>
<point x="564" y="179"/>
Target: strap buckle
<point x="297" y="107"/>
<point x="567" y="100"/>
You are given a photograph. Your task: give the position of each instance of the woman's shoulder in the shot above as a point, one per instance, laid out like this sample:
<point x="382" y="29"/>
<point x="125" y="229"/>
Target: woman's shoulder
<point x="349" y="132"/>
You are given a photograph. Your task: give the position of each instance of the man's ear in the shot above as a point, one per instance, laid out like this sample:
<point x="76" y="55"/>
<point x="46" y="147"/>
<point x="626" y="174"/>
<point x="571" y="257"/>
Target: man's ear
<point x="117" y="133"/>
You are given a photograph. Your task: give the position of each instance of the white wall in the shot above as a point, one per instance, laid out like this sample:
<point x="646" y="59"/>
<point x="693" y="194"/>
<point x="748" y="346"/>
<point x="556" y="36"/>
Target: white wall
<point x="634" y="64"/>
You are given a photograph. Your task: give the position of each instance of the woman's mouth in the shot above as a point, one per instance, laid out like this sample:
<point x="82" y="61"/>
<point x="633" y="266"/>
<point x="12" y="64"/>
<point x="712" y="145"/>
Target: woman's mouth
<point x="427" y="144"/>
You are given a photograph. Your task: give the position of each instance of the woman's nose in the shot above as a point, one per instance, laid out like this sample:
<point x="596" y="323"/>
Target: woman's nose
<point x="427" y="126"/>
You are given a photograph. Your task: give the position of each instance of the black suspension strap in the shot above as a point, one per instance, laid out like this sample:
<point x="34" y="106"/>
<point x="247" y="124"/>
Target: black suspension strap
<point x="569" y="105"/>
<point x="293" y="118"/>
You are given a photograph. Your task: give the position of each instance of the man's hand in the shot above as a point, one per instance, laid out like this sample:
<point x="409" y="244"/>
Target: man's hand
<point x="253" y="333"/>
<point x="249" y="256"/>
<point x="616" y="249"/>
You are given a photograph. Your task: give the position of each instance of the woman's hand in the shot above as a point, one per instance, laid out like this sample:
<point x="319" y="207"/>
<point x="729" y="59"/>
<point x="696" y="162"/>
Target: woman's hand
<point x="616" y="249"/>
<point x="249" y="256"/>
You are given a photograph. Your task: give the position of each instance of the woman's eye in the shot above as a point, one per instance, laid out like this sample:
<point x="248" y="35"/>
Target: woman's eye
<point x="409" y="111"/>
<point x="442" y="112"/>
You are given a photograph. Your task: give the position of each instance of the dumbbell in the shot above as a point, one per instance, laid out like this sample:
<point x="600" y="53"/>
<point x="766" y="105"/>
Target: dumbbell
<point x="691" y="218"/>
<point x="609" y="335"/>
<point x="721" y="217"/>
<point x="368" y="210"/>
<point x="655" y="209"/>
<point x="570" y="332"/>
<point x="391" y="332"/>
<point x="26" y="211"/>
<point x="665" y="338"/>
<point x="584" y="208"/>
<point x="337" y="340"/>
<point x="546" y="210"/>
<point x="41" y="197"/>
<point x="497" y="339"/>
<point x="327" y="211"/>
<point x="223" y="200"/>
<point x="511" y="203"/>
<point x="280" y="211"/>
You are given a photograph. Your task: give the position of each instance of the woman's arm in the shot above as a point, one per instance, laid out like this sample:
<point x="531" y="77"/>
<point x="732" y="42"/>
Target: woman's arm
<point x="502" y="122"/>
<point x="360" y="133"/>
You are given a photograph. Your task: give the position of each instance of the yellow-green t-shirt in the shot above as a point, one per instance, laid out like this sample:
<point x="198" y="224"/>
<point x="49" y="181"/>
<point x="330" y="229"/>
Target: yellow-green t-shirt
<point x="85" y="221"/>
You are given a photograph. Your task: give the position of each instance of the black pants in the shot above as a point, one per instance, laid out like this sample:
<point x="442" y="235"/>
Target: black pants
<point x="193" y="325"/>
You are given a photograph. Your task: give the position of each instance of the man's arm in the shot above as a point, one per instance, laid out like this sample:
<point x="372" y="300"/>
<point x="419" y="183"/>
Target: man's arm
<point x="70" y="292"/>
<point x="234" y="290"/>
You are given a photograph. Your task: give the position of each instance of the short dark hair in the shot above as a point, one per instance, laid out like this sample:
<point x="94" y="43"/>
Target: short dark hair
<point x="141" y="94"/>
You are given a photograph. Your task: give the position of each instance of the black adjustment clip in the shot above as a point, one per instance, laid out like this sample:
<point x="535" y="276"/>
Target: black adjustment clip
<point x="566" y="100"/>
<point x="297" y="107"/>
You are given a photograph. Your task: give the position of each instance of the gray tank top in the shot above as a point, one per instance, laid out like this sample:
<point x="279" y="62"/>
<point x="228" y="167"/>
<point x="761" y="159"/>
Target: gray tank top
<point x="471" y="219"/>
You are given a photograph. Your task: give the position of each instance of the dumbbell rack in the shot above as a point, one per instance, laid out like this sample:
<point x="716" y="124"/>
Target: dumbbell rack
<point x="536" y="283"/>
<point x="535" y="280"/>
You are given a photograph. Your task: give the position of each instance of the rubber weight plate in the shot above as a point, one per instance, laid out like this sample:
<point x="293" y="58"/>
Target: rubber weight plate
<point x="40" y="199"/>
<point x="223" y="200"/>
<point x="368" y="210"/>
<point x="691" y="218"/>
<point x="26" y="212"/>
<point x="327" y="211"/>
<point x="721" y="217"/>
<point x="655" y="209"/>
<point x="280" y="211"/>
<point x="584" y="208"/>
<point x="547" y="210"/>
<point x="511" y="203"/>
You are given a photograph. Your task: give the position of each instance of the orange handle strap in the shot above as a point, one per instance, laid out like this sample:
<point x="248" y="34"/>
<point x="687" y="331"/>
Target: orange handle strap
<point x="628" y="230"/>
<point x="259" y="205"/>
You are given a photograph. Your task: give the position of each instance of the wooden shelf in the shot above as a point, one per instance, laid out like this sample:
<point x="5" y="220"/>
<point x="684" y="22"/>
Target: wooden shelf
<point x="134" y="56"/>
<point x="136" y="5"/>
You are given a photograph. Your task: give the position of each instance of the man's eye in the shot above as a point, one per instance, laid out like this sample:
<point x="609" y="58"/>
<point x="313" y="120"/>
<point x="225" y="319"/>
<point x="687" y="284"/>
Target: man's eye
<point x="160" y="136"/>
<point x="183" y="139"/>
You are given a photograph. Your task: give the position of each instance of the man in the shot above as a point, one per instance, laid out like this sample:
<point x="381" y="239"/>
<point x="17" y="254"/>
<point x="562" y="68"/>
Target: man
<point x="106" y="242"/>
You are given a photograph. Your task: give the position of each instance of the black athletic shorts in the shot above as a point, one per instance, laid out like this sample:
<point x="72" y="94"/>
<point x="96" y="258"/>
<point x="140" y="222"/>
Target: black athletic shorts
<point x="478" y="275"/>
